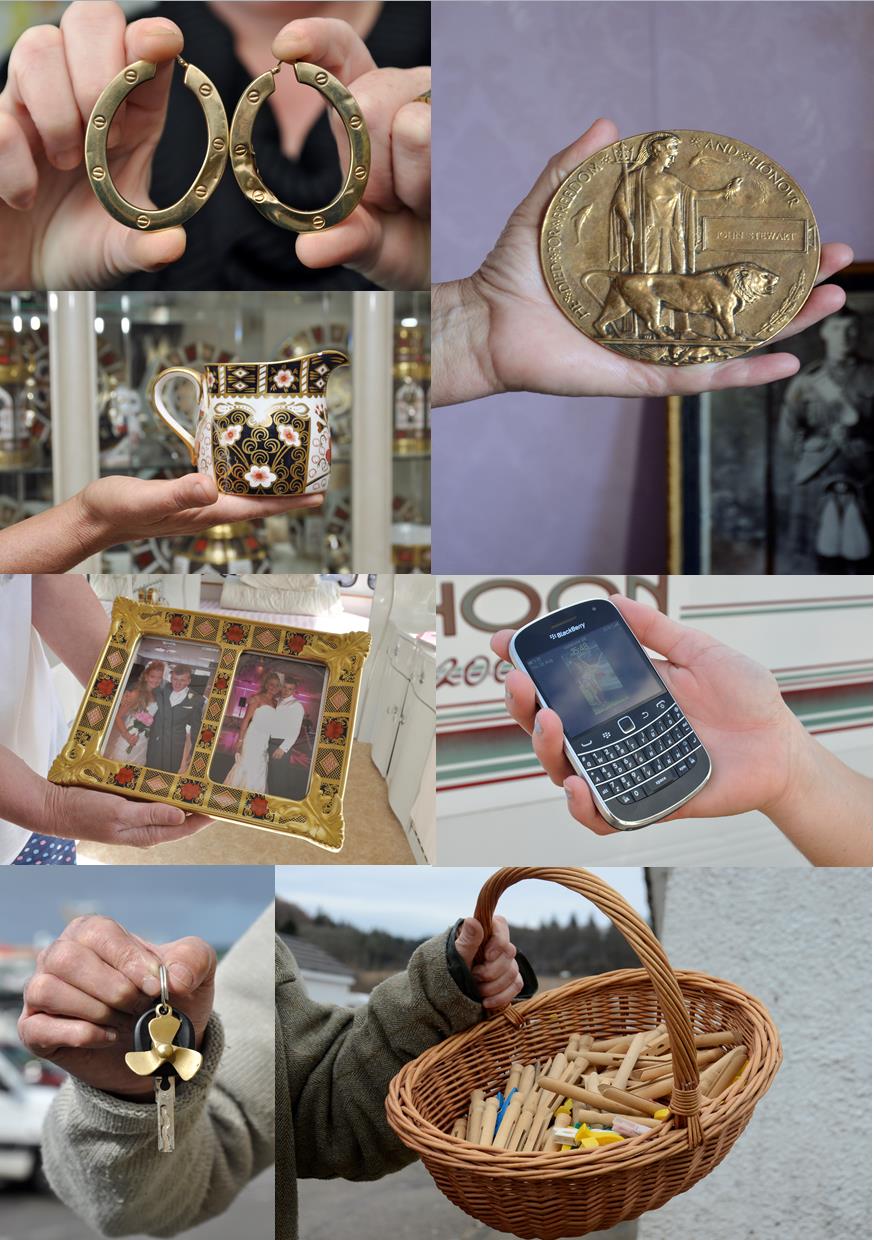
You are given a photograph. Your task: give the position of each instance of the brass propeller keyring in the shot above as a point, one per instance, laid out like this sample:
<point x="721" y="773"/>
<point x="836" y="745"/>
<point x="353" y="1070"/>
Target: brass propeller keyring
<point x="97" y="133"/>
<point x="246" y="169"/>
<point x="164" y="1049"/>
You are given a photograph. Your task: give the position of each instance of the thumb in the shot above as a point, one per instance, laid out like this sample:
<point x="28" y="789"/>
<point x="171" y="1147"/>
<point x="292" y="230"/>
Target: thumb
<point x="530" y="210"/>
<point x="146" y="824"/>
<point x="679" y="644"/>
<point x="468" y="940"/>
<point x="190" y="962"/>
<point x="189" y="491"/>
<point x="139" y="815"/>
<point x="136" y="251"/>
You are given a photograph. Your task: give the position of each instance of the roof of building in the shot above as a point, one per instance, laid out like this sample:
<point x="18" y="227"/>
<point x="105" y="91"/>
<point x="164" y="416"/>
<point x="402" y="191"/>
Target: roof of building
<point x="309" y="956"/>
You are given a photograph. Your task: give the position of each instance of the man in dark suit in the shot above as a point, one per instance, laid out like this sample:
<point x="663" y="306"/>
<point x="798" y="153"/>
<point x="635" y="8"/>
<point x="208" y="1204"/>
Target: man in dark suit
<point x="177" y="723"/>
<point x="285" y="776"/>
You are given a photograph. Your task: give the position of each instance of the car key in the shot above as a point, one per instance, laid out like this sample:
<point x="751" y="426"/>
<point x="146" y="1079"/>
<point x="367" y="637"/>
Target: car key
<point x="164" y="1048"/>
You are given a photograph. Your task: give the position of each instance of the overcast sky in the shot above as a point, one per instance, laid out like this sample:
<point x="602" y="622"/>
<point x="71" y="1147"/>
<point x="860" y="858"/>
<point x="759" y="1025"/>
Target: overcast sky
<point x="417" y="901"/>
<point x="160" y="903"/>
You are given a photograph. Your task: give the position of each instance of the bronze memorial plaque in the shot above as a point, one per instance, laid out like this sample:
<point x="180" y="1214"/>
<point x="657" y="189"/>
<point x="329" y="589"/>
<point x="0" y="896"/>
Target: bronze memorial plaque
<point x="680" y="247"/>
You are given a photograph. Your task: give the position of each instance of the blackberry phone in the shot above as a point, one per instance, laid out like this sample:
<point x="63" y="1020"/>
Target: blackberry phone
<point x="623" y="731"/>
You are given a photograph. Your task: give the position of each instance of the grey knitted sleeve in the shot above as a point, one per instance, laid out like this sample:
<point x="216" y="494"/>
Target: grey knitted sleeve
<point x="100" y="1152"/>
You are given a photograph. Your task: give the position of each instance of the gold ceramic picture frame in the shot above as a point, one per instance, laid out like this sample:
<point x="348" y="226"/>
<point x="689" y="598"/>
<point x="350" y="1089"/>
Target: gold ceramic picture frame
<point x="318" y="817"/>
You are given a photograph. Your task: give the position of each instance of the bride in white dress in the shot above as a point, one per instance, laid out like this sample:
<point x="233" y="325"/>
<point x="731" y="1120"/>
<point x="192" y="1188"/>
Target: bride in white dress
<point x="250" y="765"/>
<point x="130" y="732"/>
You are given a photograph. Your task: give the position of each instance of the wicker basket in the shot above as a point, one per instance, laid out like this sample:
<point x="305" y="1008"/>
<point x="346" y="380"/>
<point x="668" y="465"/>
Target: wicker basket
<point x="548" y="1195"/>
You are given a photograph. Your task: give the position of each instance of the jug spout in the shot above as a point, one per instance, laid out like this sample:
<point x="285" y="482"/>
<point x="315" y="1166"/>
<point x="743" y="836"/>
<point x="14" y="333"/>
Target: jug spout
<point x="307" y="374"/>
<point x="331" y="358"/>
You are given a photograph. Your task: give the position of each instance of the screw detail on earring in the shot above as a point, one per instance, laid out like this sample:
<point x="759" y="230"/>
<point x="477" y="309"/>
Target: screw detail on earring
<point x="99" y="122"/>
<point x="205" y="89"/>
<point x="98" y="173"/>
<point x="218" y="144"/>
<point x="201" y="191"/>
<point x="143" y="221"/>
<point x="130" y="75"/>
<point x="244" y="162"/>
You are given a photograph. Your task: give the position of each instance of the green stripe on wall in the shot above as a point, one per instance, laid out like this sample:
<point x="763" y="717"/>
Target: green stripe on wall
<point x="502" y="751"/>
<point x="760" y="611"/>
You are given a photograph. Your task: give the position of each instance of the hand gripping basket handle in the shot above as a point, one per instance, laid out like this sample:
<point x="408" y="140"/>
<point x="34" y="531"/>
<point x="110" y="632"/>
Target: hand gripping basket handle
<point x="685" y="1102"/>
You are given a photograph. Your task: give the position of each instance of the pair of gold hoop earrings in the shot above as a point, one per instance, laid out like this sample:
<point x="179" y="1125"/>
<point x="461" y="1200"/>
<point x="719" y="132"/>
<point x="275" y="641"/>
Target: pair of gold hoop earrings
<point x="218" y="143"/>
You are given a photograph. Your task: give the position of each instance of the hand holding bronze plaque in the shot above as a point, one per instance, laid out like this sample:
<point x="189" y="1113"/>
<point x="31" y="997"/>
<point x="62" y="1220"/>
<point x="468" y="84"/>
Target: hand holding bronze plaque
<point x="680" y="247"/>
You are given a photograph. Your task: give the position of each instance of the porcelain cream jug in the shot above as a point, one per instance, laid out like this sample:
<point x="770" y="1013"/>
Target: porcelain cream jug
<point x="262" y="427"/>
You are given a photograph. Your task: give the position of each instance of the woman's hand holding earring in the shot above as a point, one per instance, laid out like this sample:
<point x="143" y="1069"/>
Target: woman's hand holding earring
<point x="55" y="232"/>
<point x="388" y="236"/>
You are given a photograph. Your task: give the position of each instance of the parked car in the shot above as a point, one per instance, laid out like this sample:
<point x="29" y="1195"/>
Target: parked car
<point x="23" y="1108"/>
<point x="34" y="1070"/>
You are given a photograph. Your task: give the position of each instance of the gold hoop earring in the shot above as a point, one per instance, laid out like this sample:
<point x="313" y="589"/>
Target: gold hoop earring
<point x="97" y="133"/>
<point x="246" y="169"/>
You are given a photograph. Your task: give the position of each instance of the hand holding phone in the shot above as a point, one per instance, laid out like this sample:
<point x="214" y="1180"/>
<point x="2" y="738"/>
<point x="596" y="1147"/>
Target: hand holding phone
<point x="733" y="706"/>
<point x="623" y="731"/>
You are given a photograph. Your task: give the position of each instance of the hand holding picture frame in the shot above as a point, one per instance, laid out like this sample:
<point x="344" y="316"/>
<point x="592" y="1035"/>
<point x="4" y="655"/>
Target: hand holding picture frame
<point x="244" y="719"/>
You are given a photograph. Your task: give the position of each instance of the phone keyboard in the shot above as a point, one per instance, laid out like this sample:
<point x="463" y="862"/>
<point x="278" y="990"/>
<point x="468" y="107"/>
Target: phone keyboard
<point x="645" y="760"/>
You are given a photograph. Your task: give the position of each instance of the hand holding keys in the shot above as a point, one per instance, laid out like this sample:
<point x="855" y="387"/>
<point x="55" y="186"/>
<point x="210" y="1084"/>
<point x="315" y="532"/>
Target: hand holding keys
<point x="163" y="1048"/>
<point x="85" y="1004"/>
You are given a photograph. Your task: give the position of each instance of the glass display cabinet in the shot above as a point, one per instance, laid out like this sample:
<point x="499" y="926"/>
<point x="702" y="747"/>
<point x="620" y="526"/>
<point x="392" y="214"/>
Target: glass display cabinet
<point x="411" y="433"/>
<point x="25" y="407"/>
<point x="106" y="348"/>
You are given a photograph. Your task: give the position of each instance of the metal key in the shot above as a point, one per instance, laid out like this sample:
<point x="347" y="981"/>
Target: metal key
<point x="164" y="1048"/>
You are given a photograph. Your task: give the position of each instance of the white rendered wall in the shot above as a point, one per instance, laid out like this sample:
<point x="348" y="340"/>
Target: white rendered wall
<point x="801" y="944"/>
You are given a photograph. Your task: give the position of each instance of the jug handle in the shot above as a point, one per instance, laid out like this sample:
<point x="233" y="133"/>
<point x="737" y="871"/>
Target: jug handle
<point x="157" y="401"/>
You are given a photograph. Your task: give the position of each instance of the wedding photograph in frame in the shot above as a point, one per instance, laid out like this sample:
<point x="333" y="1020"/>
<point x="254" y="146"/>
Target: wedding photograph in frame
<point x="780" y="478"/>
<point x="236" y="718"/>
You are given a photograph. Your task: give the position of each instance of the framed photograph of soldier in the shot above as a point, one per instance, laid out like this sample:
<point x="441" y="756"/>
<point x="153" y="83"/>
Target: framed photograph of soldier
<point x="237" y="718"/>
<point x="780" y="479"/>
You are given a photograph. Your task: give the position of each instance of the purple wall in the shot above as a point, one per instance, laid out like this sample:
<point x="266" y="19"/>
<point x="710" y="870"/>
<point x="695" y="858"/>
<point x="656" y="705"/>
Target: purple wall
<point x="516" y="82"/>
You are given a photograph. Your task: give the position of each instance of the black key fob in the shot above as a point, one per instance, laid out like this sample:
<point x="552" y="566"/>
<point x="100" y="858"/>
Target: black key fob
<point x="184" y="1036"/>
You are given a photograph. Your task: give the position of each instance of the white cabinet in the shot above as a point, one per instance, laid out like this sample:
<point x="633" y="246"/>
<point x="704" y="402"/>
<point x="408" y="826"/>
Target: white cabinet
<point x="402" y="606"/>
<point x="391" y="692"/>
<point x="413" y="743"/>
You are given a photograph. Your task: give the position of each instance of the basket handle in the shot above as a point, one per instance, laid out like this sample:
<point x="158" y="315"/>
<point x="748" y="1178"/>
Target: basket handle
<point x="685" y="1104"/>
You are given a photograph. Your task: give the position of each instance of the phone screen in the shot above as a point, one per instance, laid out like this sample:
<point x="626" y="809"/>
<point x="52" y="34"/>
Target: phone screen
<point x="593" y="677"/>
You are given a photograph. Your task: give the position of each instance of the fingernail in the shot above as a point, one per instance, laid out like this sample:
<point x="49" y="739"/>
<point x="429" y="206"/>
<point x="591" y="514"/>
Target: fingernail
<point x="538" y="726"/>
<point x="568" y="791"/>
<point x="182" y="975"/>
<point x="68" y="159"/>
<point x="110" y="1035"/>
<point x="151" y="985"/>
<point x="508" y="693"/>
